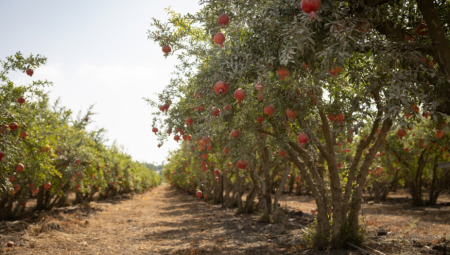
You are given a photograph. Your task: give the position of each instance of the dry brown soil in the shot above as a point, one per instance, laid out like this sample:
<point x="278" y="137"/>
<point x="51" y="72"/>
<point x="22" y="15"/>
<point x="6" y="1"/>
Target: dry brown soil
<point x="167" y="221"/>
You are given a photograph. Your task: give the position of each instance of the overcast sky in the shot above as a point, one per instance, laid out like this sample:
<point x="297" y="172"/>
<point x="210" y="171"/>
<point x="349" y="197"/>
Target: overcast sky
<point x="98" y="53"/>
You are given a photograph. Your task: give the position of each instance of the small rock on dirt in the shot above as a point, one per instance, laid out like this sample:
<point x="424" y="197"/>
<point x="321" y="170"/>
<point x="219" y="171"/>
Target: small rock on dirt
<point x="10" y="244"/>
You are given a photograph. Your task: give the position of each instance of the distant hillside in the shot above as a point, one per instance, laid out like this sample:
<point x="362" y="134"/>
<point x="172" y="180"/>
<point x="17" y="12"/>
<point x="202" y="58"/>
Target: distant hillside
<point x="156" y="168"/>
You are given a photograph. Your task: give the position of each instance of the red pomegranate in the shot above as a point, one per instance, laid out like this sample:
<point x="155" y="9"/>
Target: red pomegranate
<point x="166" y="49"/>
<point x="11" y="178"/>
<point x="260" y="118"/>
<point x="189" y="121"/>
<point x="242" y="164"/>
<point x="198" y="193"/>
<point x="176" y="138"/>
<point x="216" y="111"/>
<point x="235" y="133"/>
<point x="219" y="38"/>
<point x="269" y="110"/>
<point x="223" y="20"/>
<point x="310" y="7"/>
<point x="217" y="172"/>
<point x="340" y="117"/>
<point x="282" y="72"/>
<point x="379" y="169"/>
<point x="331" y="117"/>
<point x="239" y="94"/>
<point x="13" y="126"/>
<point x="17" y="187"/>
<point x="23" y="134"/>
<point x="335" y="71"/>
<point x="221" y="87"/>
<point x="339" y="165"/>
<point x="154" y="130"/>
<point x="439" y="133"/>
<point x="401" y="133"/>
<point x="297" y="178"/>
<point x="19" y="167"/>
<point x="282" y="153"/>
<point x="421" y="29"/>
<point x="47" y="185"/>
<point x="30" y="72"/>
<point x="21" y="100"/>
<point x="291" y="114"/>
<point x="226" y="150"/>
<point x="205" y="156"/>
<point x="2" y="154"/>
<point x="259" y="86"/>
<point x="302" y="139"/>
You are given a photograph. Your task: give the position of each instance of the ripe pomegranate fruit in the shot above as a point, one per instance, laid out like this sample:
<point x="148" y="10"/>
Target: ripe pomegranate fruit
<point x="331" y="117"/>
<point x="19" y="167"/>
<point x="226" y="150"/>
<point x="313" y="211"/>
<point x="23" y="134"/>
<point x="223" y="20"/>
<point x="21" y="100"/>
<point x="302" y="139"/>
<point x="426" y="114"/>
<point x="439" y="133"/>
<point x="297" y="178"/>
<point x="17" y="187"/>
<point x="221" y="87"/>
<point x="260" y="118"/>
<point x="205" y="156"/>
<point x="310" y="7"/>
<point x="219" y="38"/>
<point x="47" y="185"/>
<point x="216" y="111"/>
<point x="198" y="193"/>
<point x="340" y="117"/>
<point x="282" y="153"/>
<point x="154" y="130"/>
<point x="289" y="176"/>
<point x="239" y="94"/>
<point x="421" y="29"/>
<point x="30" y="72"/>
<point x="291" y="114"/>
<point x="295" y="186"/>
<point x="13" y="126"/>
<point x="176" y="138"/>
<point x="235" y="133"/>
<point x="217" y="172"/>
<point x="282" y="72"/>
<point x="242" y="164"/>
<point x="335" y="71"/>
<point x="269" y="110"/>
<point x="259" y="86"/>
<point x="401" y="133"/>
<point x="78" y="161"/>
<point x="2" y="154"/>
<point x="11" y="178"/>
<point x="166" y="49"/>
<point x="189" y="121"/>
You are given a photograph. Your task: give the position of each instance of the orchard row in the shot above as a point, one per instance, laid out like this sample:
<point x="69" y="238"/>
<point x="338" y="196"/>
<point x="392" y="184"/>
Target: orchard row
<point x="46" y="154"/>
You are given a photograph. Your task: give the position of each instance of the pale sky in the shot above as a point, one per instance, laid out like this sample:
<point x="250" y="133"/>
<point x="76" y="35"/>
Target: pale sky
<point x="98" y="53"/>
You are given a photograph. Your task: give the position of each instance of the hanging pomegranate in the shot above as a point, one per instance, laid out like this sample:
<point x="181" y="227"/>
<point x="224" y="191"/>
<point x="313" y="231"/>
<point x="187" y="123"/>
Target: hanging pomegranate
<point x="401" y="133"/>
<point x="269" y="110"/>
<point x="219" y="38"/>
<point x="221" y="87"/>
<point x="439" y="133"/>
<point x="421" y="29"/>
<point x="340" y="117"/>
<point x="189" y="121"/>
<point x="223" y="20"/>
<point x="176" y="138"/>
<point x="242" y="164"/>
<point x="154" y="130"/>
<point x="239" y="94"/>
<point x="198" y="193"/>
<point x="302" y="139"/>
<point x="166" y="49"/>
<point x="260" y="118"/>
<point x="235" y="133"/>
<point x="331" y="117"/>
<point x="226" y="150"/>
<point x="310" y="7"/>
<point x="335" y="71"/>
<point x="282" y="72"/>
<point x="217" y="172"/>
<point x="21" y="100"/>
<point x="30" y="72"/>
<point x="282" y="153"/>
<point x="259" y="87"/>
<point x="291" y="114"/>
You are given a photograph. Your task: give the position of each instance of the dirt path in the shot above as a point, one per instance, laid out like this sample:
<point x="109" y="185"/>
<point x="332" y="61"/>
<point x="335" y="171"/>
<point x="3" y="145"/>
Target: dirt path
<point x="162" y="221"/>
<point x="166" y="221"/>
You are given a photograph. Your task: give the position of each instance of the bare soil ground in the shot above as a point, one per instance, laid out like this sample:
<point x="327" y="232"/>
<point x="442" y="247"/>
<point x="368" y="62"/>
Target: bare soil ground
<point x="167" y="221"/>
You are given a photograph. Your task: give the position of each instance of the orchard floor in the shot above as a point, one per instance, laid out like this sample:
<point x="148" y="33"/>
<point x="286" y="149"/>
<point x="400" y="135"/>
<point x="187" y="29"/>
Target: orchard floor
<point x="167" y="221"/>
